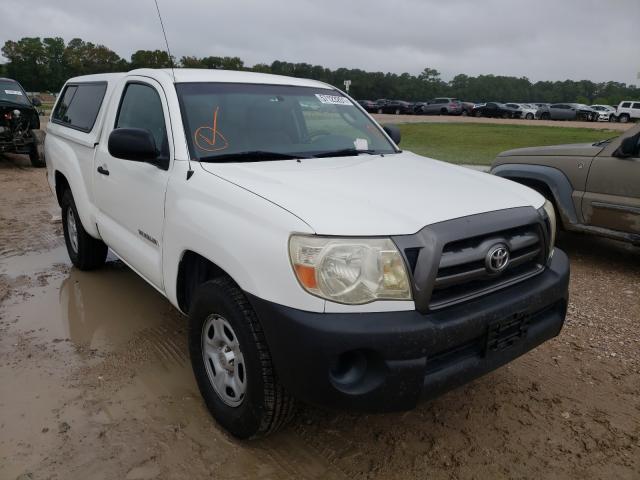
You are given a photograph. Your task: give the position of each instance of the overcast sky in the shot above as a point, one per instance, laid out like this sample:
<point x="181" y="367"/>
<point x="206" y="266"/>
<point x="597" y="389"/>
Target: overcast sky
<point x="541" y="39"/>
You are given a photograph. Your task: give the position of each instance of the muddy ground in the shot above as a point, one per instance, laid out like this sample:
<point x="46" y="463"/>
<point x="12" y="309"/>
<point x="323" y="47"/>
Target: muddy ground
<point x="95" y="381"/>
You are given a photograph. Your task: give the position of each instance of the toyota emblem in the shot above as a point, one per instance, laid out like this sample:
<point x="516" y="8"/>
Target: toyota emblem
<point x="497" y="258"/>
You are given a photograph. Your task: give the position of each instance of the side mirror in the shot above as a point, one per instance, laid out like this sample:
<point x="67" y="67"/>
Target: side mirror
<point x="394" y="132"/>
<point x="135" y="144"/>
<point x="629" y="147"/>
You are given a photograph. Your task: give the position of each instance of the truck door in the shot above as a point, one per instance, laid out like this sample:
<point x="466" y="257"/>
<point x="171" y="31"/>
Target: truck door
<point x="130" y="195"/>
<point x="612" y="195"/>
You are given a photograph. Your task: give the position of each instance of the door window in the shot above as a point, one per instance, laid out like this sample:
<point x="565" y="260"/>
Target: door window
<point x="141" y="107"/>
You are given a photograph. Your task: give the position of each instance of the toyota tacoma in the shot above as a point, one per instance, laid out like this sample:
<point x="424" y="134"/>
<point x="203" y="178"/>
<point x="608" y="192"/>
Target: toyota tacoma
<point x="315" y="260"/>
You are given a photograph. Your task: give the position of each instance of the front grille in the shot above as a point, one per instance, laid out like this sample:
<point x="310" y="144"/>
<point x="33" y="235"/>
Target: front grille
<point x="446" y="260"/>
<point x="462" y="273"/>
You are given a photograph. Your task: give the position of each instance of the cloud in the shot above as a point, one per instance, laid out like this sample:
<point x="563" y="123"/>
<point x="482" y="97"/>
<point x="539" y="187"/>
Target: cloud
<point x="541" y="39"/>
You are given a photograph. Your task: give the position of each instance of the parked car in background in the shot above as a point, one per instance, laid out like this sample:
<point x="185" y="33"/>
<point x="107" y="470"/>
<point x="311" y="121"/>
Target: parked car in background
<point x="396" y="107"/>
<point x="528" y="111"/>
<point x="567" y="111"/>
<point x="380" y="103"/>
<point x="496" y="110"/>
<point x="369" y="105"/>
<point x="19" y="123"/>
<point x="467" y="107"/>
<point x="440" y="106"/>
<point x="606" y="113"/>
<point x="628" y="110"/>
<point x="595" y="188"/>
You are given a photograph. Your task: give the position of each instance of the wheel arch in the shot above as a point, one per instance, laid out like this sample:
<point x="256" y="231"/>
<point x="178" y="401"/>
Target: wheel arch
<point x="61" y="185"/>
<point x="548" y="181"/>
<point x="193" y="270"/>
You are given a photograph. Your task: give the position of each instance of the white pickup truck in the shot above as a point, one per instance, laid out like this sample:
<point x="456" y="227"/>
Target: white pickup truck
<point x="314" y="259"/>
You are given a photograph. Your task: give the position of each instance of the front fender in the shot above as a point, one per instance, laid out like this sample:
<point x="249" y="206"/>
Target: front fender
<point x="554" y="179"/>
<point x="241" y="233"/>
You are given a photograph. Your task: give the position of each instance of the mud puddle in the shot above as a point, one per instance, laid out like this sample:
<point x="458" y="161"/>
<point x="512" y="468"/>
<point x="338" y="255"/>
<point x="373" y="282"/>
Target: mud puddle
<point x="97" y="383"/>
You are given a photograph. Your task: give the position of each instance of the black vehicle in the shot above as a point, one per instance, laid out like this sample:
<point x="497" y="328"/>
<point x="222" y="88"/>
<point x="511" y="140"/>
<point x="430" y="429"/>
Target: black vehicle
<point x="496" y="110"/>
<point x="396" y="107"/>
<point x="19" y="123"/>
<point x="369" y="105"/>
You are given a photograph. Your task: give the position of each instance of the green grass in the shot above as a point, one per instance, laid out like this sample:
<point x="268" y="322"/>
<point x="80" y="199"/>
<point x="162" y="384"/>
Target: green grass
<point x="478" y="144"/>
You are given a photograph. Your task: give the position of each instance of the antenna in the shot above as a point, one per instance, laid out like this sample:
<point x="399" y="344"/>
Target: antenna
<point x="173" y="74"/>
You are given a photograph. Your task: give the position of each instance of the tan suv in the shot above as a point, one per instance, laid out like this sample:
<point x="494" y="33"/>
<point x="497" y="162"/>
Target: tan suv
<point x="594" y="187"/>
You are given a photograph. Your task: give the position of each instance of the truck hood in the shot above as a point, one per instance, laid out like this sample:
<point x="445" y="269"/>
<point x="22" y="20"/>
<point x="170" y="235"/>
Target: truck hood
<point x="571" y="150"/>
<point x="374" y="195"/>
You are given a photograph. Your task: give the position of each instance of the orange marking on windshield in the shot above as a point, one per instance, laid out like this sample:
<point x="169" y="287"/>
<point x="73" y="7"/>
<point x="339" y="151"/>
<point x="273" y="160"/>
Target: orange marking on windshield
<point x="206" y="137"/>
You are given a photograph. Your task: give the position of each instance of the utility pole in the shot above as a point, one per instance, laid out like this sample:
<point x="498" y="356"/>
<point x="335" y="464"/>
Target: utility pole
<point x="347" y="84"/>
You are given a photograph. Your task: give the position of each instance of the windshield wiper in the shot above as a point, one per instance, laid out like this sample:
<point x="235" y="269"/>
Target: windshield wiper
<point x="344" y="152"/>
<point x="251" y="156"/>
<point x="602" y="142"/>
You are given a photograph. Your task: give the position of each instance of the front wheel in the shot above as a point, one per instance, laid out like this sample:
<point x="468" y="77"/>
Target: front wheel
<point x="624" y="118"/>
<point x="85" y="252"/>
<point x="529" y="116"/>
<point x="232" y="363"/>
<point x="36" y="154"/>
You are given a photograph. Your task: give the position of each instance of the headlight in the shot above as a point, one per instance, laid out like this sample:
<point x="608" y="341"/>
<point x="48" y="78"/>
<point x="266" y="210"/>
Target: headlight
<point x="551" y="215"/>
<point x="349" y="270"/>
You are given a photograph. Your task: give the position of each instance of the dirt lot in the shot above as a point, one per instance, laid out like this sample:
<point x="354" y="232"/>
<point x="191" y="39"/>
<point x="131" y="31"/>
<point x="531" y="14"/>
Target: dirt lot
<point x="95" y="382"/>
<point x="386" y="118"/>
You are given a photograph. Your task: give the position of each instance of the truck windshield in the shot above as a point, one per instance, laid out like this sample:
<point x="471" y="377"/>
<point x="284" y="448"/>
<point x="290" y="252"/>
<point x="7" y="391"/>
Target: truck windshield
<point x="254" y="122"/>
<point x="12" y="92"/>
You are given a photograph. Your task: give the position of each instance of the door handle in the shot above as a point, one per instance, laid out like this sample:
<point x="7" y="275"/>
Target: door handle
<point x="103" y="171"/>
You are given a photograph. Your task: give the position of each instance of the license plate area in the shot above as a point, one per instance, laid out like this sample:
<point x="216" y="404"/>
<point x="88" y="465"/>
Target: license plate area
<point x="504" y="333"/>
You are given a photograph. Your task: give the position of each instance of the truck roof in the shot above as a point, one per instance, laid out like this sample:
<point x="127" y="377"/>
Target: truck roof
<point x="193" y="75"/>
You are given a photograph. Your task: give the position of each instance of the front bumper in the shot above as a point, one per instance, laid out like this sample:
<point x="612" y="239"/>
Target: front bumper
<point x="388" y="361"/>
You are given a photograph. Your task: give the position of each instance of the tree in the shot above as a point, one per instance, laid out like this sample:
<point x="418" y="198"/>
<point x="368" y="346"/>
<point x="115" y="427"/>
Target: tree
<point x="26" y="61"/>
<point x="150" y="59"/>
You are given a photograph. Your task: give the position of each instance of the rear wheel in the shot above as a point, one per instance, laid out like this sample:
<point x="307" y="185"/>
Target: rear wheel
<point x="529" y="116"/>
<point x="85" y="252"/>
<point x="544" y="116"/>
<point x="612" y="118"/>
<point x="397" y="112"/>
<point x="232" y="363"/>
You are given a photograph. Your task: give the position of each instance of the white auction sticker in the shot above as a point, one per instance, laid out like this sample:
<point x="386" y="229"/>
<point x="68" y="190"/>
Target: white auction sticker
<point x="13" y="92"/>
<point x="361" y="144"/>
<point x="333" y="100"/>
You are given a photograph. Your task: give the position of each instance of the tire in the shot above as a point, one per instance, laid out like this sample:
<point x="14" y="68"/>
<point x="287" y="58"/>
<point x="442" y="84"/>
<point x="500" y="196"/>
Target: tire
<point x="464" y="113"/>
<point x="36" y="154"/>
<point x="612" y="118"/>
<point x="259" y="405"/>
<point x="477" y="113"/>
<point x="397" y="111"/>
<point x="85" y="252"/>
<point x="380" y="110"/>
<point x="545" y="116"/>
<point x="529" y="116"/>
<point x="624" y="118"/>
<point x="443" y="111"/>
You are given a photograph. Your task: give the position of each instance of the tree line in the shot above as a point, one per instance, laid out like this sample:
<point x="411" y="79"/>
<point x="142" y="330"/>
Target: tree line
<point x="44" y="65"/>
